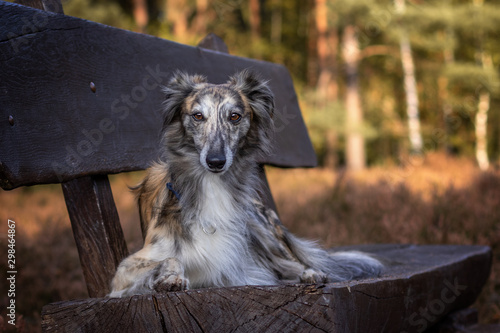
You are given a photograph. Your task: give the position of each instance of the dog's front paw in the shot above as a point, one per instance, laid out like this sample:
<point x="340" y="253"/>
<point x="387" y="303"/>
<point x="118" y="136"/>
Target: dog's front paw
<point x="165" y="284"/>
<point x="312" y="276"/>
<point x="170" y="277"/>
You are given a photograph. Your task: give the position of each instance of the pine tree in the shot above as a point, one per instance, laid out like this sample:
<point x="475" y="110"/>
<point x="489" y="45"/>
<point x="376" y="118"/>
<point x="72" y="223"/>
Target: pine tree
<point x="477" y="75"/>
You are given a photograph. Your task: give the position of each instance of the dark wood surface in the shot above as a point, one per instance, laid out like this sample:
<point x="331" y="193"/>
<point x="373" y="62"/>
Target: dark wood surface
<point x="421" y="286"/>
<point x="214" y="43"/>
<point x="84" y="98"/>
<point x="53" y="6"/>
<point x="97" y="230"/>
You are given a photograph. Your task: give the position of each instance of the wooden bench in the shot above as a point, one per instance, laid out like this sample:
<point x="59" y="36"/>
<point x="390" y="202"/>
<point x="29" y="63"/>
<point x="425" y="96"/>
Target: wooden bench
<point x="80" y="100"/>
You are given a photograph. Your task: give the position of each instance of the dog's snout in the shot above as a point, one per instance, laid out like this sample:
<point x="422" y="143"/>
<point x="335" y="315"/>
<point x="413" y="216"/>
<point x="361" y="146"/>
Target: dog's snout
<point x="216" y="161"/>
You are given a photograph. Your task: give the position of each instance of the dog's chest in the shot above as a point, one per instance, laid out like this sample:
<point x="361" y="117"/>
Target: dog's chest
<point x="217" y="207"/>
<point x="218" y="236"/>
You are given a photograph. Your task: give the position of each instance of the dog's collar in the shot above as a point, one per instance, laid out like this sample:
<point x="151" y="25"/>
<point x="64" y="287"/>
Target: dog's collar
<point x="170" y="187"/>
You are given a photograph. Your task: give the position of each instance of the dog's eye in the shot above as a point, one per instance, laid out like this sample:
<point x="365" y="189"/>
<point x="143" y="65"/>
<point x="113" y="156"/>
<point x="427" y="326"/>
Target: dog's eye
<point x="198" y="116"/>
<point x="235" y="117"/>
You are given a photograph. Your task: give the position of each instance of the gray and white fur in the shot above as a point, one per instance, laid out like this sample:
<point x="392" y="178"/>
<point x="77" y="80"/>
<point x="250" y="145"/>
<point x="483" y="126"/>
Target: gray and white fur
<point x="208" y="227"/>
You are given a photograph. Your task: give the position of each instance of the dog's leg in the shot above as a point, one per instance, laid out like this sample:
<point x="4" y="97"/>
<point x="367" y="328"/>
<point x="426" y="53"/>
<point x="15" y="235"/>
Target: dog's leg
<point x="323" y="266"/>
<point x="318" y="265"/>
<point x="138" y="274"/>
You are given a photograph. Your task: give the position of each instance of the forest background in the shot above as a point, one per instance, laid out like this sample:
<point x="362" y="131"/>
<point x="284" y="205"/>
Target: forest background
<point x="377" y="79"/>
<point x="401" y="100"/>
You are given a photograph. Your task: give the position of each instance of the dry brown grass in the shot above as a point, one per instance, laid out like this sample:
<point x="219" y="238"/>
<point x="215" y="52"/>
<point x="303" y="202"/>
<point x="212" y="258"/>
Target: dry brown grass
<point x="436" y="200"/>
<point x="440" y="200"/>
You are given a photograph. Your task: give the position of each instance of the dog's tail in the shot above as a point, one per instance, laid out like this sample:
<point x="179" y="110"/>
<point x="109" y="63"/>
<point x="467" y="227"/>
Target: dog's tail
<point x="337" y="266"/>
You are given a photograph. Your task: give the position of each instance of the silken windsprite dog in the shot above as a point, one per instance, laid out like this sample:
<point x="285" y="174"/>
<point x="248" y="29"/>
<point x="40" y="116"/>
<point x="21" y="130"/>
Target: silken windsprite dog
<point x="200" y="208"/>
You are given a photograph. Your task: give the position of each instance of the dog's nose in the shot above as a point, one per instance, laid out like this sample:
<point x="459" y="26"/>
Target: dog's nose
<point x="216" y="162"/>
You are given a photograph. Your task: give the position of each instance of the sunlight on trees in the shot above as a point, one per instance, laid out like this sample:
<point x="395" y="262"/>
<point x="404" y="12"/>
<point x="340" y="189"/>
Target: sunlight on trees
<point x="423" y="76"/>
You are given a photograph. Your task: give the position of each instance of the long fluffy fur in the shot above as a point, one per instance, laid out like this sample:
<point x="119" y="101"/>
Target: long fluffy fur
<point x="211" y="229"/>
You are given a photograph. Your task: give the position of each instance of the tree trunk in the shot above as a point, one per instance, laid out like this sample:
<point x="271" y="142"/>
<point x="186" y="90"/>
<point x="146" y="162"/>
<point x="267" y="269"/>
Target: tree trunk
<point x="200" y="21"/>
<point x="327" y="43"/>
<point x="449" y="59"/>
<point x="177" y="15"/>
<point x="416" y="143"/>
<point x="481" y="126"/>
<point x="141" y="16"/>
<point x="483" y="105"/>
<point x="327" y="88"/>
<point x="254" y="18"/>
<point x="355" y="145"/>
<point x="276" y="22"/>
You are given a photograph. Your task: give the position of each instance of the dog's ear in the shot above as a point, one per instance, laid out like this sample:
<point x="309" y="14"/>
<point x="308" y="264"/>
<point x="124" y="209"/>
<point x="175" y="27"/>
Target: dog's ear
<point x="176" y="91"/>
<point x="258" y="94"/>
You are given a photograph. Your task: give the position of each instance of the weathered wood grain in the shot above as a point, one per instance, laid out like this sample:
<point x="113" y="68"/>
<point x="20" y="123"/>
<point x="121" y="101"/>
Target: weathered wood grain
<point x="53" y="6"/>
<point x="422" y="285"/>
<point x="97" y="230"/>
<point x="85" y="98"/>
<point x="214" y="43"/>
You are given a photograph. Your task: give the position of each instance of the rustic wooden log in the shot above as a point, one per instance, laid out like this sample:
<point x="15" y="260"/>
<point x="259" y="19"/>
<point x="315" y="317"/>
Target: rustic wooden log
<point x="421" y="286"/>
<point x="214" y="43"/>
<point x="53" y="6"/>
<point x="80" y="98"/>
<point x="464" y="321"/>
<point x="92" y="211"/>
<point x="97" y="230"/>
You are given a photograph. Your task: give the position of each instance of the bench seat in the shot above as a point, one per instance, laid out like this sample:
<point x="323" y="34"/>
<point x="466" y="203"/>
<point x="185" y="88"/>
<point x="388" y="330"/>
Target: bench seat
<point x="420" y="287"/>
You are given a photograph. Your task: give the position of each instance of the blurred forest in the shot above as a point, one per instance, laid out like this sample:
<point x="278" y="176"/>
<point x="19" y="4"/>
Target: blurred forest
<point x="379" y="81"/>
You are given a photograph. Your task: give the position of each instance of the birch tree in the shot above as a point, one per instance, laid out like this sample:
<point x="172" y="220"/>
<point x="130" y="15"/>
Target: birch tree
<point x="483" y="106"/>
<point x="479" y="26"/>
<point x="410" y="85"/>
<point x="355" y="143"/>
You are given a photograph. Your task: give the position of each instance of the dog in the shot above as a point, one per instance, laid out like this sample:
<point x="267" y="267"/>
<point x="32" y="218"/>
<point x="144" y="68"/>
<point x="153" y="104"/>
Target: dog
<point x="199" y="206"/>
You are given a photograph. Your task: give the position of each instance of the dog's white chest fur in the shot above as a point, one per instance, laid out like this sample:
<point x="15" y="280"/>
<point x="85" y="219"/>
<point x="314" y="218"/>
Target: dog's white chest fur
<point x="217" y="243"/>
<point x="217" y="208"/>
<point x="218" y="253"/>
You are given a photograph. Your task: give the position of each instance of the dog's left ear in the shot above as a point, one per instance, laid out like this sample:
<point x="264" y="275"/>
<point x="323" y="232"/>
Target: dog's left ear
<point x="256" y="90"/>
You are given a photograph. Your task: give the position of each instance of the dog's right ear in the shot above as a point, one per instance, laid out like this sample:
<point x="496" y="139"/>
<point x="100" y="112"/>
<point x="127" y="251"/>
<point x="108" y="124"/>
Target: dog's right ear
<point x="176" y="91"/>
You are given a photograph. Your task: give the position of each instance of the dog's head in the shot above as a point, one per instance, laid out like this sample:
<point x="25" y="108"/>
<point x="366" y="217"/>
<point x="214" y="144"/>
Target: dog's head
<point x="219" y="120"/>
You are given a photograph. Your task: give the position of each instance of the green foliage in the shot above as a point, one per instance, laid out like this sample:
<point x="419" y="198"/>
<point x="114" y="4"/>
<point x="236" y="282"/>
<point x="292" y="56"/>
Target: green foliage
<point x="448" y="39"/>
<point x="321" y="118"/>
<point x="105" y="12"/>
<point x="472" y="19"/>
<point x="352" y="12"/>
<point x="472" y="78"/>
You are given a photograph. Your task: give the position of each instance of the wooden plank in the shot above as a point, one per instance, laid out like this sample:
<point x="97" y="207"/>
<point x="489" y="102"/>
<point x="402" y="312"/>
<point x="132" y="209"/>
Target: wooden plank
<point x="53" y="6"/>
<point x="421" y="286"/>
<point x="97" y="231"/>
<point x="214" y="43"/>
<point x="96" y="225"/>
<point x="83" y="97"/>
<point x="137" y="312"/>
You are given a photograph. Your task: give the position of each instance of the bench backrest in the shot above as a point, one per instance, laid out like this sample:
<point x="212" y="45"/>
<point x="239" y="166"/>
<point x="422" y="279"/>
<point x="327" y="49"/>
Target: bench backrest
<point x="80" y="100"/>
